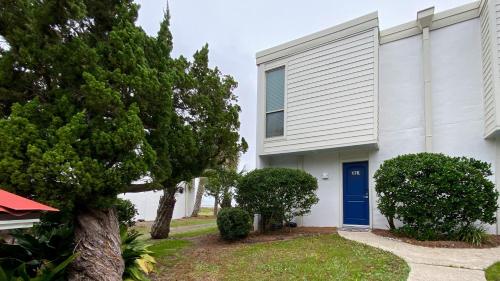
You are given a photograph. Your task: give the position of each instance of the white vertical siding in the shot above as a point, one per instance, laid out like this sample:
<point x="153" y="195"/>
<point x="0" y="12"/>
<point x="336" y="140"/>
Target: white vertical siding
<point x="330" y="96"/>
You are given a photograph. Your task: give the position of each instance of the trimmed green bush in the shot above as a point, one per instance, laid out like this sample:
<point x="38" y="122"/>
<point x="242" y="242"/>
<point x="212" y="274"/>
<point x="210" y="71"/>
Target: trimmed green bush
<point x="126" y="211"/>
<point x="436" y="196"/>
<point x="277" y="194"/>
<point x="234" y="223"/>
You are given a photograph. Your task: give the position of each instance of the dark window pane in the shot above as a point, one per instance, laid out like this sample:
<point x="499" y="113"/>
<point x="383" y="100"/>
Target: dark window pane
<point x="275" y="89"/>
<point x="274" y="124"/>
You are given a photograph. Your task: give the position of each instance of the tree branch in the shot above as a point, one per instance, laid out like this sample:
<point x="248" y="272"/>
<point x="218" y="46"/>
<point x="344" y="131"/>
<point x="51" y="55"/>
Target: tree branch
<point x="142" y="187"/>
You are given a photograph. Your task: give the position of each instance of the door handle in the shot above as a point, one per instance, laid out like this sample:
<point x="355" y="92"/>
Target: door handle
<point x="366" y="196"/>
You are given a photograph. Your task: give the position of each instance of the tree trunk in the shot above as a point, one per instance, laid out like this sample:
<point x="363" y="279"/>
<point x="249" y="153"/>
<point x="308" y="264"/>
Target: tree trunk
<point x="199" y="196"/>
<point x="216" y="205"/>
<point x="161" y="225"/>
<point x="97" y="239"/>
<point x="226" y="200"/>
<point x="390" y="220"/>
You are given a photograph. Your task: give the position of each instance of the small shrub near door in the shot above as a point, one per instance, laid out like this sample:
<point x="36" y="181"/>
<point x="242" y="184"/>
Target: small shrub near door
<point x="234" y="223"/>
<point x="437" y="196"/>
<point x="277" y="194"/>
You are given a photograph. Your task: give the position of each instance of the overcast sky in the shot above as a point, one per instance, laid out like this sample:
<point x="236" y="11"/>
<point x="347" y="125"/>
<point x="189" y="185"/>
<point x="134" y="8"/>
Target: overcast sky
<point x="236" y="30"/>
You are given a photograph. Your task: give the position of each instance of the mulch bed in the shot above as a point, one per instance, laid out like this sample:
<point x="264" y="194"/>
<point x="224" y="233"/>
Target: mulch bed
<point x="271" y="236"/>
<point x="493" y="241"/>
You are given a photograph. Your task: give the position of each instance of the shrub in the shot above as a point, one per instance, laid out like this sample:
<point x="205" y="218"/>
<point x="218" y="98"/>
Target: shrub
<point x="234" y="223"/>
<point x="435" y="196"/>
<point x="277" y="194"/>
<point x="126" y="212"/>
<point x="44" y="256"/>
<point x="137" y="257"/>
<point x="472" y="234"/>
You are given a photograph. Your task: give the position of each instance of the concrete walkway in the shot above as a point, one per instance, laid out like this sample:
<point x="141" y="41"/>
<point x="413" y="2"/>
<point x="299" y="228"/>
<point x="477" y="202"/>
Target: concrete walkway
<point x="433" y="264"/>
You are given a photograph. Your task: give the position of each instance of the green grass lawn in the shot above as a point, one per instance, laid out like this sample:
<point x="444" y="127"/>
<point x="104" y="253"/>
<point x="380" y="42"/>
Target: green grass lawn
<point x="325" y="257"/>
<point x="198" y="221"/>
<point x="205" y="211"/>
<point x="192" y="221"/>
<point x="195" y="232"/>
<point x="493" y="272"/>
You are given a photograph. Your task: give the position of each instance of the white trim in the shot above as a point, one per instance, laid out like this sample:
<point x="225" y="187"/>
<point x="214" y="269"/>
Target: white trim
<point x="493" y="27"/>
<point x="366" y="22"/>
<point x="375" y="83"/>
<point x="442" y="19"/>
<point x="14" y="224"/>
<point x="368" y="144"/>
<point x="317" y="39"/>
<point x="426" y="55"/>
<point x="270" y="67"/>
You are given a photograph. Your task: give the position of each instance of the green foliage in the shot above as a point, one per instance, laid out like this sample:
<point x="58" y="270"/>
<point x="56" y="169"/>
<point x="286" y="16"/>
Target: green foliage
<point x="41" y="257"/>
<point x="472" y="234"/>
<point x="277" y="193"/>
<point x="126" y="212"/>
<point x="70" y="78"/>
<point x="436" y="196"/>
<point x="220" y="184"/>
<point x="204" y="132"/>
<point x="47" y="272"/>
<point x="136" y="255"/>
<point x="234" y="223"/>
<point x="493" y="272"/>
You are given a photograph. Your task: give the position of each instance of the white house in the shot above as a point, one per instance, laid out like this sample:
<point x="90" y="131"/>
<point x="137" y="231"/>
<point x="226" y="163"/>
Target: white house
<point x="339" y="102"/>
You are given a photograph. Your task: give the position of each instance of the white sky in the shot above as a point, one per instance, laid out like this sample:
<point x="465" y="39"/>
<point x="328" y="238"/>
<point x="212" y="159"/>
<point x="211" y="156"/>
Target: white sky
<point x="236" y="29"/>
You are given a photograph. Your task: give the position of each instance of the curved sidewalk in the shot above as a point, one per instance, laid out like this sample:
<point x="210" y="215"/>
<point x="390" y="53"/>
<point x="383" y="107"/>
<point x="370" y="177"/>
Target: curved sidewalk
<point x="433" y="264"/>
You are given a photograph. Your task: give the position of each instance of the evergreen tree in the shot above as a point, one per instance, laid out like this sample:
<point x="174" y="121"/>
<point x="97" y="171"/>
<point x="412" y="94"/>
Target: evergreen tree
<point x="71" y="73"/>
<point x="206" y="129"/>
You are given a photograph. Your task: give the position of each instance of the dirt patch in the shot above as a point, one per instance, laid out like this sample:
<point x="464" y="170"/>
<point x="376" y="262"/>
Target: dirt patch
<point x="211" y="249"/>
<point x="493" y="241"/>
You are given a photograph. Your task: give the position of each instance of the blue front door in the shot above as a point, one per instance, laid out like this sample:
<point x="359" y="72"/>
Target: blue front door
<point x="355" y="185"/>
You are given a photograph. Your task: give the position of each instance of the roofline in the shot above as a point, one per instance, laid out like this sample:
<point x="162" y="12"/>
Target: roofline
<point x="369" y="21"/>
<point x="442" y="19"/>
<point x="319" y="38"/>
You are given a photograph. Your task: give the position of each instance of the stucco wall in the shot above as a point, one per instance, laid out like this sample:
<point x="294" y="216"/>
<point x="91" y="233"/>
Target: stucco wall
<point x="147" y="203"/>
<point x="457" y="106"/>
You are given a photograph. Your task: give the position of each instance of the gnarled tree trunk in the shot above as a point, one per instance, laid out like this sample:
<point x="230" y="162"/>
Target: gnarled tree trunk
<point x="97" y="239"/>
<point x="199" y="196"/>
<point x="161" y="225"/>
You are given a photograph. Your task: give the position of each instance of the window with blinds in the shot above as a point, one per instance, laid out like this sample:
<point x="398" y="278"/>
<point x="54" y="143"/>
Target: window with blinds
<point x="275" y="102"/>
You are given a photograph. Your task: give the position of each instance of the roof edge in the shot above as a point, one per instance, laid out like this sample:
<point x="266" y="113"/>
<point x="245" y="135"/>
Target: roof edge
<point x="442" y="19"/>
<point x="439" y="20"/>
<point x="318" y="38"/>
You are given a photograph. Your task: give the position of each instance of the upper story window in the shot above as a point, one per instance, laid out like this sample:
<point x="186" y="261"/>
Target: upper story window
<point x="275" y="102"/>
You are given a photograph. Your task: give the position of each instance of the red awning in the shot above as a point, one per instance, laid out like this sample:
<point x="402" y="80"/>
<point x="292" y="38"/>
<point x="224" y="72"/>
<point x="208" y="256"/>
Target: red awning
<point x="10" y="203"/>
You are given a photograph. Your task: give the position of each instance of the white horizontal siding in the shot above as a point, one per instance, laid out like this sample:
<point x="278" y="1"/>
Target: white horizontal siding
<point x="487" y="67"/>
<point x="330" y="96"/>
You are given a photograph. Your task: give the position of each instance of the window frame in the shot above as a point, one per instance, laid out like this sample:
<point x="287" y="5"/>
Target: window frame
<point x="267" y="68"/>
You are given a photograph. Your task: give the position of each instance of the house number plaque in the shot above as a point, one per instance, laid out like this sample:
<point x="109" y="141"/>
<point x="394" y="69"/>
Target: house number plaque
<point x="355" y="173"/>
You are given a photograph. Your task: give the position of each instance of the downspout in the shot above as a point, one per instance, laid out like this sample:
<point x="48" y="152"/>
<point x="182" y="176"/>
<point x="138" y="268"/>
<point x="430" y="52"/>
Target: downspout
<point x="300" y="166"/>
<point x="424" y="19"/>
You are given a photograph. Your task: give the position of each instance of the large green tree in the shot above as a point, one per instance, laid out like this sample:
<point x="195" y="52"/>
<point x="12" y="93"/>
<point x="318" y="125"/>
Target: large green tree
<point x="206" y="129"/>
<point x="201" y="132"/>
<point x="77" y="78"/>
